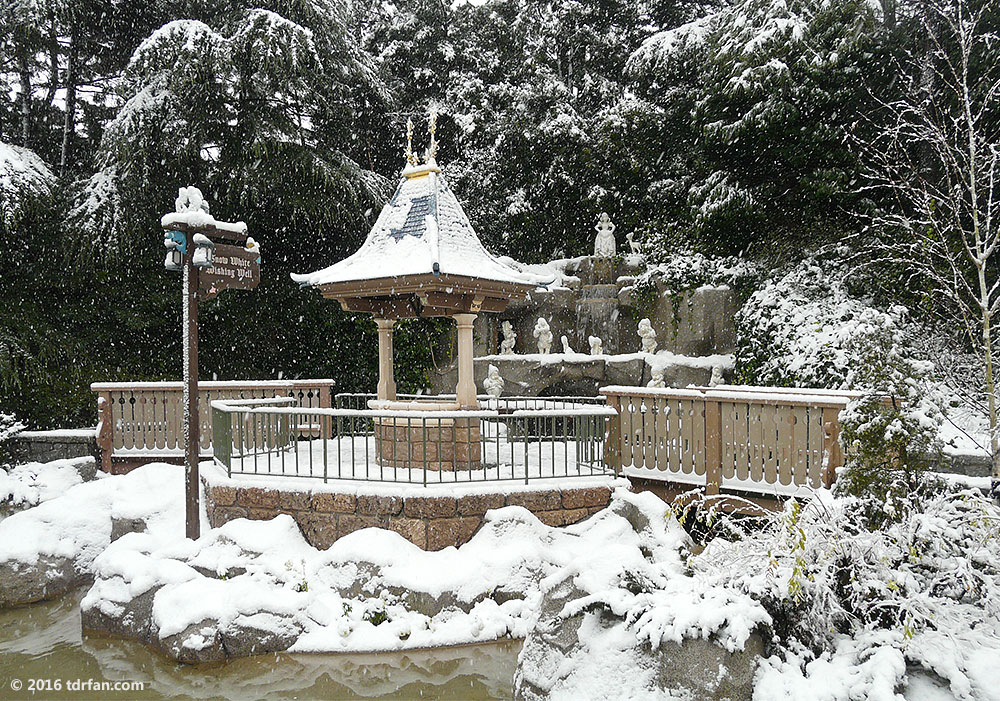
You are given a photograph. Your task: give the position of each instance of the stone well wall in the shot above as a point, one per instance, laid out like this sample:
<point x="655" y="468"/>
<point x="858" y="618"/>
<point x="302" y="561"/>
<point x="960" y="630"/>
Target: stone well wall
<point x="431" y="522"/>
<point x="434" y="444"/>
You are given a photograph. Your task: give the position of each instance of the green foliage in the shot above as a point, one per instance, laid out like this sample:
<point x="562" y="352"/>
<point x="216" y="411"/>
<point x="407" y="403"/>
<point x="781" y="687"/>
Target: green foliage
<point x="891" y="433"/>
<point x="376" y="616"/>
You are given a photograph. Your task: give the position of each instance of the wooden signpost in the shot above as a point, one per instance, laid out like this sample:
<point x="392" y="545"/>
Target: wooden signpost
<point x="209" y="268"/>
<point x="234" y="268"/>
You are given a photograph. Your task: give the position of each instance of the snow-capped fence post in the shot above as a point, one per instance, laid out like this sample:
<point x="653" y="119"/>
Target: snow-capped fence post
<point x="713" y="447"/>
<point x="831" y="445"/>
<point x="105" y="429"/>
<point x="208" y="268"/>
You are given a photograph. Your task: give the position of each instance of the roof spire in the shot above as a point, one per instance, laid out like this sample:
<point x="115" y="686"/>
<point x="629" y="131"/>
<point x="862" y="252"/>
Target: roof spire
<point x="433" y="146"/>
<point x="411" y="157"/>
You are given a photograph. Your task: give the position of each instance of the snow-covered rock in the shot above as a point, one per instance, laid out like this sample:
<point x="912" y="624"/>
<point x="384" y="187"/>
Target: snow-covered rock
<point x="641" y="628"/>
<point x="250" y="587"/>
<point x="50" y="548"/>
<point x="29" y="484"/>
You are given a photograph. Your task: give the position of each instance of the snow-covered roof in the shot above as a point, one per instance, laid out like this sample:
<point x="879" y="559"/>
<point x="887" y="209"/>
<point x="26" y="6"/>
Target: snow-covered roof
<point x="422" y="230"/>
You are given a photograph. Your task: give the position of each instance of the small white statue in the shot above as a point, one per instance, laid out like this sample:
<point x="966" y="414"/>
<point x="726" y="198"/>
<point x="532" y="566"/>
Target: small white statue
<point x="648" y="336"/>
<point x="636" y="246"/>
<point x="656" y="379"/>
<point x="596" y="345"/>
<point x="543" y="335"/>
<point x="565" y="344"/>
<point x="493" y="382"/>
<point x="509" y="337"/>
<point x="190" y="199"/>
<point x="717" y="378"/>
<point x="604" y="244"/>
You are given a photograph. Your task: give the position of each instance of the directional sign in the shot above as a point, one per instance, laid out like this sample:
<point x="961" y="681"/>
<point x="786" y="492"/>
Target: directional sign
<point x="233" y="268"/>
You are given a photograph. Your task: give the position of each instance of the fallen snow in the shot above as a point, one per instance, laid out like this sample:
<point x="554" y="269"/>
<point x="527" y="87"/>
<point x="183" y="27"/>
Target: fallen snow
<point x="353" y="596"/>
<point x="33" y="483"/>
<point x="77" y="524"/>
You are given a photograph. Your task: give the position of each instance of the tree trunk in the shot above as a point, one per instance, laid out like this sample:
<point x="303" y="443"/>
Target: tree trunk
<point x="53" y="64"/>
<point x="69" y="126"/>
<point x="25" y="72"/>
<point x="991" y="401"/>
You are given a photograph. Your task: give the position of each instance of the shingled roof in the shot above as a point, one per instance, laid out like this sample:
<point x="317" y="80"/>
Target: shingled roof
<point x="422" y="230"/>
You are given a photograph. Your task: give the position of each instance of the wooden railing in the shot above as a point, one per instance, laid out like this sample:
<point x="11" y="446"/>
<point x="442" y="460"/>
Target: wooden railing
<point x="142" y="420"/>
<point x="760" y="439"/>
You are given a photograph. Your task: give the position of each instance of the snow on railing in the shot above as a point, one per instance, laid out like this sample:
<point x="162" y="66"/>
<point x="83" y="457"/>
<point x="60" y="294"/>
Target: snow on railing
<point x="767" y="440"/>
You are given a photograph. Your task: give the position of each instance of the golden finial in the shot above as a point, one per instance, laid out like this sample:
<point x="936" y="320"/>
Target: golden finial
<point x="433" y="147"/>
<point x="411" y="157"/>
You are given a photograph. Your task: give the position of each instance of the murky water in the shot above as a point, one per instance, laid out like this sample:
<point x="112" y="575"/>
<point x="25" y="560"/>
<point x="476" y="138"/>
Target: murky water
<point x="43" y="642"/>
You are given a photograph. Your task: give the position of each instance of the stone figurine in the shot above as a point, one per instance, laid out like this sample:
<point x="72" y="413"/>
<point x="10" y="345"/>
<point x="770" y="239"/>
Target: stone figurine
<point x="648" y="336"/>
<point x="636" y="246"/>
<point x="493" y="382"/>
<point x="543" y="336"/>
<point x="509" y="337"/>
<point x="656" y="379"/>
<point x="717" y="378"/>
<point x="604" y="244"/>
<point x="596" y="345"/>
<point x="565" y="345"/>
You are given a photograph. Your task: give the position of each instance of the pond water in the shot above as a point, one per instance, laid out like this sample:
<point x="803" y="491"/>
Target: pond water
<point x="44" y="642"/>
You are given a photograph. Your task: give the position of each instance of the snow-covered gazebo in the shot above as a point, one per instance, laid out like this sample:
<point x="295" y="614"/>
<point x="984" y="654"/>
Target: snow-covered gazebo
<point x="422" y="259"/>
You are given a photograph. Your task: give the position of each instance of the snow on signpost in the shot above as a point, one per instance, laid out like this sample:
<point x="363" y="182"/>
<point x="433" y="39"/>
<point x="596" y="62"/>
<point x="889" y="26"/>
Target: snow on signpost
<point x="208" y="267"/>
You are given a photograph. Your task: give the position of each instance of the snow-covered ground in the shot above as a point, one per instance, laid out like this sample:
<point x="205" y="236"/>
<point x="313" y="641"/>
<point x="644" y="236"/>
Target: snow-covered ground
<point x="373" y="590"/>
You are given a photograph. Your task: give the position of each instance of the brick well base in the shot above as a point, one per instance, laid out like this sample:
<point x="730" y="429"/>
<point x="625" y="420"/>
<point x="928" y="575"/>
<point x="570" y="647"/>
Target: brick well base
<point x="430" y="522"/>
<point x="434" y="444"/>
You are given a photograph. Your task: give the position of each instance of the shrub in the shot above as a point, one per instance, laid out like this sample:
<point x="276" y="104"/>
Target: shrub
<point x="891" y="433"/>
<point x="9" y="427"/>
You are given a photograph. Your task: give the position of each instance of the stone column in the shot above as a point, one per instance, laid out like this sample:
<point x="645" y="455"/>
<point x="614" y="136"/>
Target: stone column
<point x="466" y="388"/>
<point x="386" y="375"/>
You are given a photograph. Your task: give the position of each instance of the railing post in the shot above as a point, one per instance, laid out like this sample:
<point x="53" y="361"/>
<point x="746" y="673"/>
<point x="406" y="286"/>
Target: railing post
<point x="831" y="445"/>
<point x="105" y="430"/>
<point x="713" y="446"/>
<point x="613" y="442"/>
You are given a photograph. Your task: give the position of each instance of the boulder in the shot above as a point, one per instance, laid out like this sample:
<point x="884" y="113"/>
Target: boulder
<point x="559" y="648"/>
<point x="199" y="642"/>
<point x="132" y="619"/>
<point x="121" y="526"/>
<point x="47" y="578"/>
<point x="259" y="634"/>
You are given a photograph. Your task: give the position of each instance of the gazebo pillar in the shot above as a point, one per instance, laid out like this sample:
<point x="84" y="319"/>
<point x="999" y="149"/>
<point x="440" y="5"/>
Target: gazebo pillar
<point x="386" y="375"/>
<point x="465" y="391"/>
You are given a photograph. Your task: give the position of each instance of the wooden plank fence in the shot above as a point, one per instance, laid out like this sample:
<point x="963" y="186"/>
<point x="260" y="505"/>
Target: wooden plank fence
<point x="760" y="439"/>
<point x="142" y="420"/>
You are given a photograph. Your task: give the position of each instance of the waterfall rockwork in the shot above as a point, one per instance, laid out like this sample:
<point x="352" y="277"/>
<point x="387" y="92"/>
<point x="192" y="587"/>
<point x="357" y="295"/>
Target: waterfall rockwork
<point x="599" y="298"/>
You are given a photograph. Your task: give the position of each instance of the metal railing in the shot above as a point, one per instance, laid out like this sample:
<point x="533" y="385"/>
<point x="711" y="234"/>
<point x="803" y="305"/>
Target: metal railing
<point x="518" y="438"/>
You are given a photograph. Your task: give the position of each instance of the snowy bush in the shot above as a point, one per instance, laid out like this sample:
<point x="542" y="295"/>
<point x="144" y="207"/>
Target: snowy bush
<point x="9" y="427"/>
<point x="685" y="271"/>
<point x="924" y="589"/>
<point x="806" y="329"/>
<point x="891" y="431"/>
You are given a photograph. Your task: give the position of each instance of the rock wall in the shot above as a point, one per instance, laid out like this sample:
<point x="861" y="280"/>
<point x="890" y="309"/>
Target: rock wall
<point x="581" y="375"/>
<point x="45" y="446"/>
<point x="600" y="298"/>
